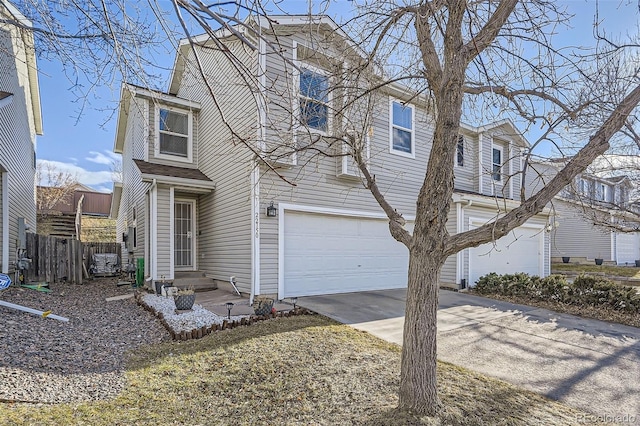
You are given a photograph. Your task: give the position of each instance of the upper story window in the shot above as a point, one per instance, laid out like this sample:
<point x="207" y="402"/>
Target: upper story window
<point x="174" y="128"/>
<point x="496" y="160"/>
<point x="460" y="152"/>
<point x="582" y="187"/>
<point x="402" y="132"/>
<point x="603" y="192"/>
<point x="314" y="100"/>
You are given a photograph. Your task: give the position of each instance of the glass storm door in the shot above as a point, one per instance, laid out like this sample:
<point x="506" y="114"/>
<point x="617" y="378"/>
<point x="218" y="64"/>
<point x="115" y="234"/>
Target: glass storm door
<point x="183" y="235"/>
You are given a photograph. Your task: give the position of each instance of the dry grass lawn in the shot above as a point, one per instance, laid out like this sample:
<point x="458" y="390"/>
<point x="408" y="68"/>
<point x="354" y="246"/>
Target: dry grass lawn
<point x="303" y="370"/>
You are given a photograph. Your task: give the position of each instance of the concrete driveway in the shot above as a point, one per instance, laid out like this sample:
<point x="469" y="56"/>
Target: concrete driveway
<point x="588" y="364"/>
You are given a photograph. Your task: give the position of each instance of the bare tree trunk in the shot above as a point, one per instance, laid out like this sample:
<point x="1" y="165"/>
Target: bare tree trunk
<point x="418" y="382"/>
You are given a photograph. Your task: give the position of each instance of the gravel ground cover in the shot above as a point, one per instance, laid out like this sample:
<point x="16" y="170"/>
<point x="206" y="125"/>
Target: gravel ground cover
<point x="43" y="360"/>
<point x="197" y="317"/>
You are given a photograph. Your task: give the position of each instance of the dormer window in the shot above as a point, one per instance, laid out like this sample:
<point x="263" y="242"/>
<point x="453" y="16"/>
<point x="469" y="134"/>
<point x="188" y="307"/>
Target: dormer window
<point x="402" y="138"/>
<point x="314" y="100"/>
<point x="496" y="159"/>
<point x="460" y="152"/>
<point x="174" y="128"/>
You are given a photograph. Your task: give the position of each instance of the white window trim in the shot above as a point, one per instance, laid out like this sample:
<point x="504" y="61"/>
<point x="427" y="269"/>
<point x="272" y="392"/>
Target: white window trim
<point x="499" y="148"/>
<point x="306" y="66"/>
<point x="157" y="153"/>
<point x="392" y="150"/>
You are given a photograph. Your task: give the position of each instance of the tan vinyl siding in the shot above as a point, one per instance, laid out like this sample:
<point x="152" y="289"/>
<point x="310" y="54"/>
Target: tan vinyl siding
<point x="224" y="216"/>
<point x="17" y="138"/>
<point x="398" y="177"/>
<point x="133" y="190"/>
<point x="163" y="246"/>
<point x="576" y="236"/>
<point x="466" y="176"/>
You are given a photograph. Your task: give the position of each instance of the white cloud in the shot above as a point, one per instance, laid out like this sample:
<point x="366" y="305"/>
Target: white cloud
<point x="106" y="157"/>
<point x="99" y="180"/>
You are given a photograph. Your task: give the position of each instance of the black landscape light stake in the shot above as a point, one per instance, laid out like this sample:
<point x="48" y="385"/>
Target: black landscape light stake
<point x="229" y="307"/>
<point x="294" y="300"/>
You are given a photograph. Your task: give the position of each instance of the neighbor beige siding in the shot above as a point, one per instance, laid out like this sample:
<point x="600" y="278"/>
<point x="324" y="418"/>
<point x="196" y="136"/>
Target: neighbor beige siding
<point x="466" y="176"/>
<point x="576" y="236"/>
<point x="17" y="138"/>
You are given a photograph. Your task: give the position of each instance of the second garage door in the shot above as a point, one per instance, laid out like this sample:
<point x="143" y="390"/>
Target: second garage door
<point x="325" y="254"/>
<point x="519" y="251"/>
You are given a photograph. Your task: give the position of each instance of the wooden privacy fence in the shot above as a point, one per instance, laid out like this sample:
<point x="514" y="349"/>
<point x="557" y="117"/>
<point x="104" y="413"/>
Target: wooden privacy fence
<point x="55" y="259"/>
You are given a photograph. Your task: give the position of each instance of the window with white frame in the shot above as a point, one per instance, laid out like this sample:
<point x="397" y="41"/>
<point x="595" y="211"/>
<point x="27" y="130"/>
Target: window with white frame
<point x="460" y="151"/>
<point x="496" y="160"/>
<point x="174" y="132"/>
<point x="402" y="133"/>
<point x="314" y="99"/>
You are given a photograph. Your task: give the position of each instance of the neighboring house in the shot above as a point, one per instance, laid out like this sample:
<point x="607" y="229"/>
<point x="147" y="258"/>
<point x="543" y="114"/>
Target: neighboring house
<point x="589" y="216"/>
<point x="65" y="211"/>
<point x="20" y="122"/>
<point x="193" y="198"/>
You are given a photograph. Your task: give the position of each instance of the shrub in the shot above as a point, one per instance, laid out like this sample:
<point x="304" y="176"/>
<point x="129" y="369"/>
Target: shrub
<point x="585" y="290"/>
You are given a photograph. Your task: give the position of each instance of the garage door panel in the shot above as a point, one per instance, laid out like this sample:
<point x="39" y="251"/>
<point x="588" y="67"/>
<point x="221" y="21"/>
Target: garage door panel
<point x="519" y="251"/>
<point x="326" y="254"/>
<point x="627" y="247"/>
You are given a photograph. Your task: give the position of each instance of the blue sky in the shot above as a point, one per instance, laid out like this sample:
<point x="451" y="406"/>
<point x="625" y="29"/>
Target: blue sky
<point x="81" y="142"/>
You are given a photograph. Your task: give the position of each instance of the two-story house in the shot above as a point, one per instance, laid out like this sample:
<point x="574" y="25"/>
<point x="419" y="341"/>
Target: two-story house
<point x="20" y="122"/>
<point x="196" y="197"/>
<point x="590" y="216"/>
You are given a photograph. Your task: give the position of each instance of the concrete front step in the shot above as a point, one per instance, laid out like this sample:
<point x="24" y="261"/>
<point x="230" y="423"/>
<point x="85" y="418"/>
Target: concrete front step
<point x="188" y="274"/>
<point x="196" y="283"/>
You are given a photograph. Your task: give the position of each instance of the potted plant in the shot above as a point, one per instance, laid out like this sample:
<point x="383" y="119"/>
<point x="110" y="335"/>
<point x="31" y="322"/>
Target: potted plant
<point x="637" y="263"/>
<point x="565" y="259"/>
<point x="184" y="299"/>
<point x="599" y="261"/>
<point x="262" y="305"/>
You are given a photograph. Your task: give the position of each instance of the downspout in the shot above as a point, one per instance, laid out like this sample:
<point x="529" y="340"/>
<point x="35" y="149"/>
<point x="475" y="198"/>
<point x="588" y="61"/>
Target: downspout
<point x="153" y="229"/>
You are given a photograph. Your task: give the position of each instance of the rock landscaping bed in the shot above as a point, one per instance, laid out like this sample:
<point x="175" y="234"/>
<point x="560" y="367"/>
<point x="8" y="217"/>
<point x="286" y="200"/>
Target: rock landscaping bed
<point x="588" y="296"/>
<point x="198" y="322"/>
<point x="43" y="360"/>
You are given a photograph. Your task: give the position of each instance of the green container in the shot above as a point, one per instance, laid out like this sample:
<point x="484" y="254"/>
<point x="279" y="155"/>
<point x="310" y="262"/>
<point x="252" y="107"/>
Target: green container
<point x="139" y="272"/>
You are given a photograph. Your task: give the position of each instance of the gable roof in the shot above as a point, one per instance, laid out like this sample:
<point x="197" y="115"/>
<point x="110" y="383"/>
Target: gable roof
<point x="319" y="21"/>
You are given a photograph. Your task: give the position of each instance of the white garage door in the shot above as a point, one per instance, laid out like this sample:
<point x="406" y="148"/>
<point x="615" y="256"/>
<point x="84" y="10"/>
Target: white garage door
<point x="326" y="254"/>
<point x="627" y="247"/>
<point x="519" y="251"/>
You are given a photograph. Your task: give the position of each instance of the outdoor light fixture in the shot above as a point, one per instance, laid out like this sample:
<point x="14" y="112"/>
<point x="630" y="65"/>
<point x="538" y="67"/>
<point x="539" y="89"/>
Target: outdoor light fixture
<point x="271" y="210"/>
<point x="294" y="300"/>
<point x="229" y="307"/>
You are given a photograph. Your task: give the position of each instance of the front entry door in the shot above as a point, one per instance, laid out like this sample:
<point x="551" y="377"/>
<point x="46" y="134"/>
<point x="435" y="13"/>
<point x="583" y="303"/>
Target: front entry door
<point x="183" y="248"/>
